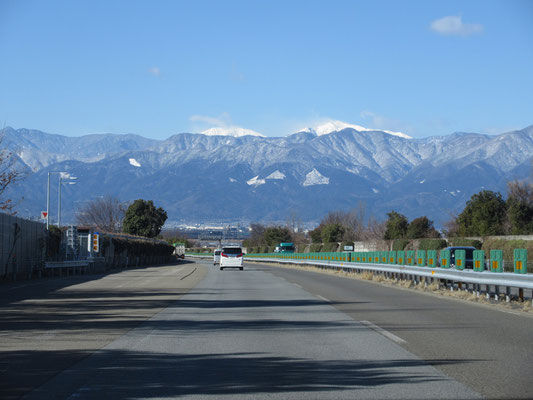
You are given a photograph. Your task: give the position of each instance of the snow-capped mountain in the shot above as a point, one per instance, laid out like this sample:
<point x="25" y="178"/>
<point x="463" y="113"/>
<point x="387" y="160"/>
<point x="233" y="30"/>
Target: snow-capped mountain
<point x="235" y="131"/>
<point x="336" y="126"/>
<point x="198" y="177"/>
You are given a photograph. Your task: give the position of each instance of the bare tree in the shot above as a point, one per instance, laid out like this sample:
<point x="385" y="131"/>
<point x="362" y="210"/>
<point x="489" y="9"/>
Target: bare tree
<point x="105" y="214"/>
<point x="9" y="175"/>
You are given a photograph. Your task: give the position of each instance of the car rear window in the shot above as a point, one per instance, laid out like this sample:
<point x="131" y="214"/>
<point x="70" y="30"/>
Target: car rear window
<point x="217" y="252"/>
<point x="232" y="250"/>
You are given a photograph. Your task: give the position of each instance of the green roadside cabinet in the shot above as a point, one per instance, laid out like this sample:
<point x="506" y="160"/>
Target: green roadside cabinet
<point x="392" y="257"/>
<point x="445" y="258"/>
<point x="421" y="258"/>
<point x="410" y="257"/>
<point x="401" y="257"/>
<point x="460" y="259"/>
<point x="520" y="261"/>
<point x="479" y="260"/>
<point x="496" y="260"/>
<point x="432" y="258"/>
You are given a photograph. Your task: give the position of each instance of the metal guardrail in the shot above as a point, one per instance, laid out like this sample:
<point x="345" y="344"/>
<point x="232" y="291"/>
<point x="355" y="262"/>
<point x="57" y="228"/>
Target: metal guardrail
<point x="66" y="264"/>
<point x="476" y="279"/>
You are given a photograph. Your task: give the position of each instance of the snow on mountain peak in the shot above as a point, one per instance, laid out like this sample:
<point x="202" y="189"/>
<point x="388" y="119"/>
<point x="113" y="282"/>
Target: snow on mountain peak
<point x="315" y="178"/>
<point x="235" y="131"/>
<point x="134" y="162"/>
<point x="335" y="126"/>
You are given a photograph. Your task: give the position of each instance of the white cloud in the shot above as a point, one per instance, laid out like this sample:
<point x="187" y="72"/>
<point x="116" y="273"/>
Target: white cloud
<point x="384" y="123"/>
<point x="453" y="25"/>
<point x="155" y="71"/>
<point x="219" y="126"/>
<point x="222" y="120"/>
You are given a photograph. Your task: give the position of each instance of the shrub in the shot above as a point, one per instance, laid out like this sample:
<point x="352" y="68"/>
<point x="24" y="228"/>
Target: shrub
<point x="328" y="247"/>
<point x="431" y="244"/>
<point x="399" y="244"/>
<point x="315" y="248"/>
<point x="465" y="242"/>
<point x="300" y="248"/>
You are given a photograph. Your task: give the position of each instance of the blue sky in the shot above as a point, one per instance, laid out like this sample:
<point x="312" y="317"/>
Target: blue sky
<point x="158" y="68"/>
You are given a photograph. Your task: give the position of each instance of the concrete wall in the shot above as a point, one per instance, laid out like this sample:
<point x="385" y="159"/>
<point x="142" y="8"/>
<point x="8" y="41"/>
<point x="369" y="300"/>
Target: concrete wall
<point x="22" y="244"/>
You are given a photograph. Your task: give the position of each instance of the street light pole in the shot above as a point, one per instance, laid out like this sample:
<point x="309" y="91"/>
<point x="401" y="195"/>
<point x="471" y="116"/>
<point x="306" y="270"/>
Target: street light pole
<point x="48" y="202"/>
<point x="68" y="179"/>
<point x="59" y="203"/>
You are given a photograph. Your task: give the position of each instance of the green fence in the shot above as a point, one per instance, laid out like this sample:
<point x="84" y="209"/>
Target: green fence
<point x="421" y="258"/>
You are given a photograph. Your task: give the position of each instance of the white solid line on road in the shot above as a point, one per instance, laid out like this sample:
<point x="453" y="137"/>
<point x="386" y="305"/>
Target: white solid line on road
<point x="295" y="284"/>
<point x="511" y="312"/>
<point x="383" y="332"/>
<point x="323" y="298"/>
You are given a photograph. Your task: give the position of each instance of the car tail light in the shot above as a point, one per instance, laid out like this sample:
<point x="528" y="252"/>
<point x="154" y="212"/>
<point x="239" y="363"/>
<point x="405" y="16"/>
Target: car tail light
<point x="224" y="255"/>
<point x="240" y="255"/>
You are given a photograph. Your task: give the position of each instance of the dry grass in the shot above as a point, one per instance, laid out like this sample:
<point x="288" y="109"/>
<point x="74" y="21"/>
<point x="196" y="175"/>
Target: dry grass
<point x="431" y="288"/>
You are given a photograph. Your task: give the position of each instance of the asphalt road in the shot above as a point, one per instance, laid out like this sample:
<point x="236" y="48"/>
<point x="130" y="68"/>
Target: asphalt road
<point x="192" y="331"/>
<point x="48" y="325"/>
<point x="252" y="334"/>
<point x="486" y="348"/>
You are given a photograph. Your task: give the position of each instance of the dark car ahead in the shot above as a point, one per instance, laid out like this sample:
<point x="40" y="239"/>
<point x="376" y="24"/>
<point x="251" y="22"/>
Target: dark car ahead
<point x="469" y="257"/>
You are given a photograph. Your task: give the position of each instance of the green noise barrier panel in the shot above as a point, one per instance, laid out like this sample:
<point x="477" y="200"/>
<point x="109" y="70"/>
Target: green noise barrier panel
<point x="432" y="258"/>
<point x="460" y="259"/>
<point x="520" y="261"/>
<point x="410" y="257"/>
<point x="445" y="258"/>
<point x="479" y="260"/>
<point x="401" y="257"/>
<point x="392" y="257"/>
<point x="421" y="258"/>
<point x="496" y="260"/>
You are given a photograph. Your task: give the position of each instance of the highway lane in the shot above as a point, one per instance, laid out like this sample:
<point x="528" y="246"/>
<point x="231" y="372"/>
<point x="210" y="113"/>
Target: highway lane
<point x="253" y="334"/>
<point x="47" y="325"/>
<point x="488" y="349"/>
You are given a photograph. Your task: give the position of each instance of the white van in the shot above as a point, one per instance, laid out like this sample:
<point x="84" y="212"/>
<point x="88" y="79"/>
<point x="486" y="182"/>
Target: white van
<point x="231" y="257"/>
<point x="216" y="256"/>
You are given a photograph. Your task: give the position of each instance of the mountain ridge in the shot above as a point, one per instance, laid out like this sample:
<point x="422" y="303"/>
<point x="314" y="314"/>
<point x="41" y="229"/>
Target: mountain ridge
<point x="204" y="177"/>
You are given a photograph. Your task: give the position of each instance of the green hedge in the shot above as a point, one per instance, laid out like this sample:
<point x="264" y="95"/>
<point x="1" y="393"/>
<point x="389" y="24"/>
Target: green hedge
<point x="136" y="247"/>
<point x="431" y="244"/>
<point x="315" y="248"/>
<point x="508" y="247"/>
<point x="399" y="244"/>
<point x="329" y="247"/>
<point x="465" y="242"/>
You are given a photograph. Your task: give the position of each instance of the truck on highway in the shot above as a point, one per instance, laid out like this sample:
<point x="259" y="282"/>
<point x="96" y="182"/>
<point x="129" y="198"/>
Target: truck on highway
<point x="285" y="248"/>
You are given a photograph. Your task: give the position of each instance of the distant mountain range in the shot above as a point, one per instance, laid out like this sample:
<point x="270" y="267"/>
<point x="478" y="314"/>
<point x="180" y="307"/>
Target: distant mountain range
<point x="219" y="177"/>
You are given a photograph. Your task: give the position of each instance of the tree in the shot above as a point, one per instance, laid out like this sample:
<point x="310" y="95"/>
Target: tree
<point x="421" y="227"/>
<point x="275" y="235"/>
<point x="332" y="233"/>
<point x="520" y="207"/>
<point x="396" y="226"/>
<point x="105" y="214"/>
<point x="483" y="215"/>
<point x="143" y="219"/>
<point x="9" y="175"/>
<point x="316" y="234"/>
